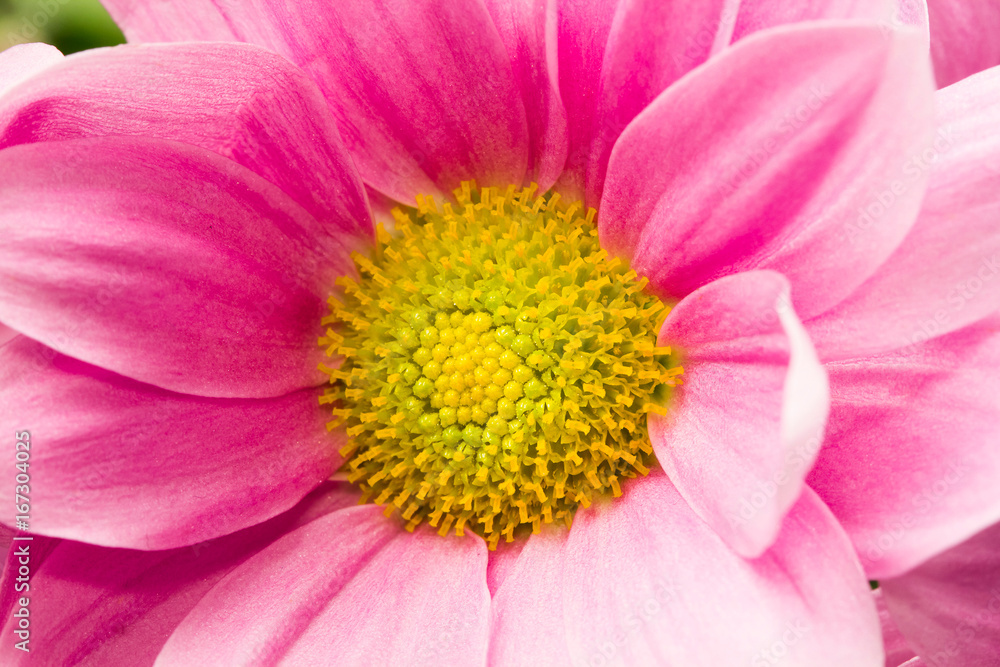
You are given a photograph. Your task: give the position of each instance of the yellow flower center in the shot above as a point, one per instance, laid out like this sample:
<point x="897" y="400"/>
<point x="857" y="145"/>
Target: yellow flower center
<point x="497" y="366"/>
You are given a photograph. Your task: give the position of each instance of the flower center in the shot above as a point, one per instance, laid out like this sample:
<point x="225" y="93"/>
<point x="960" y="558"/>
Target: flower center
<point x="497" y="365"/>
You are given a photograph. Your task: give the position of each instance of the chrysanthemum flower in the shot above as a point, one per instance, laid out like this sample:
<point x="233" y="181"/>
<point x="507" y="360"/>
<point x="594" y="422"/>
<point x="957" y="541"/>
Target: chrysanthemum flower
<point x="177" y="216"/>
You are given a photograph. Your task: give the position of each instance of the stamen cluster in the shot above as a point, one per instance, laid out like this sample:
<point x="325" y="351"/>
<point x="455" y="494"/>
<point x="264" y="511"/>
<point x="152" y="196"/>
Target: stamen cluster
<point x="496" y="366"/>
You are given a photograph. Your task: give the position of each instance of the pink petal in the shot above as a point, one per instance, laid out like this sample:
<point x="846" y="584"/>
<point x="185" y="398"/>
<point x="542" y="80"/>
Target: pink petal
<point x="757" y="15"/>
<point x="615" y="58"/>
<point x="21" y="61"/>
<point x="946" y="273"/>
<point x="352" y="588"/>
<point x="119" y="463"/>
<point x="910" y="463"/>
<point x="949" y="607"/>
<point x="642" y="581"/>
<point x="423" y="92"/>
<point x="99" y="606"/>
<point x="911" y="13"/>
<point x="761" y="157"/>
<point x="181" y="20"/>
<point x="164" y="262"/>
<point x="502" y="562"/>
<point x="528" y="31"/>
<point x="744" y="428"/>
<point x="897" y="650"/>
<point x="7" y="334"/>
<point x="582" y="37"/>
<point x="963" y="37"/>
<point x="240" y="101"/>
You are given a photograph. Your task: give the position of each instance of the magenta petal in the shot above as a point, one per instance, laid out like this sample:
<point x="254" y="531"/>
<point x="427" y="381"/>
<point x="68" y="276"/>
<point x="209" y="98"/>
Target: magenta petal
<point x="949" y="607"/>
<point x="119" y="463"/>
<point x="528" y="31"/>
<point x="897" y="650"/>
<point x="946" y="273"/>
<point x="963" y="37"/>
<point x="98" y="606"/>
<point x="6" y="538"/>
<point x="642" y="581"/>
<point x="910" y="463"/>
<point x="650" y="44"/>
<point x="582" y="37"/>
<point x="423" y="91"/>
<point x="240" y="101"/>
<point x="744" y="428"/>
<point x="757" y="15"/>
<point x="709" y="181"/>
<point x="164" y="262"/>
<point x="351" y="588"/>
<point x="20" y="62"/>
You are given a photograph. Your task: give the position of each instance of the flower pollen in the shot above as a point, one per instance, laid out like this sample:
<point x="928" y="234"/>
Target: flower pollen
<point x="496" y="365"/>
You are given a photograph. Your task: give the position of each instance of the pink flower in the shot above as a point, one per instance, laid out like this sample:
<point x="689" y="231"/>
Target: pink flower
<point x="176" y="215"/>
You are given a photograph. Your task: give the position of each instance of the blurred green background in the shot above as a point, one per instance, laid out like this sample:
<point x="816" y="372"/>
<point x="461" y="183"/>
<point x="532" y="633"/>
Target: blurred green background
<point x="69" y="25"/>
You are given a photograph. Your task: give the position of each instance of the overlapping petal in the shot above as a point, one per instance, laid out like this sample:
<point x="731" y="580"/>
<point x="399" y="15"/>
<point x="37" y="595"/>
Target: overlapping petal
<point x="644" y="581"/>
<point x="754" y="15"/>
<point x="897" y="650"/>
<point x="423" y="92"/>
<point x="946" y="273"/>
<point x="240" y="101"/>
<point x="651" y="44"/>
<point x="949" y="607"/>
<point x="119" y="463"/>
<point x="94" y="605"/>
<point x="963" y="37"/>
<point x="910" y="462"/>
<point x="352" y="587"/>
<point x="615" y="56"/>
<point x="743" y="430"/>
<point x="164" y="262"/>
<point x="528" y="30"/>
<point x="7" y="334"/>
<point x="21" y="61"/>
<point x="819" y="113"/>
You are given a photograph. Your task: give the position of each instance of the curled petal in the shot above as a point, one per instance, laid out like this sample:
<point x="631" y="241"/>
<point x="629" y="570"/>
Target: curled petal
<point x="743" y="430"/>
<point x="119" y="463"/>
